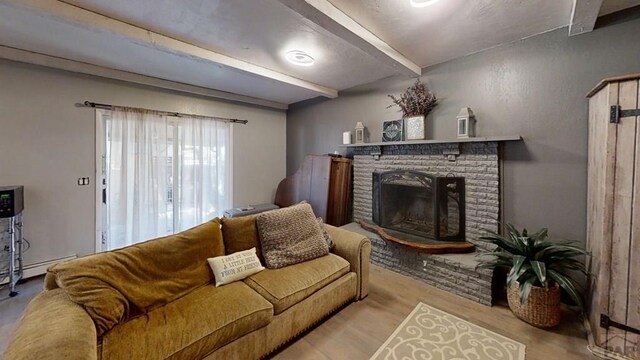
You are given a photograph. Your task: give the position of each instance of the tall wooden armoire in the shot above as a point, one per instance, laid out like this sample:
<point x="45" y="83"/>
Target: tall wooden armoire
<point x="613" y="215"/>
<point x="322" y="181"/>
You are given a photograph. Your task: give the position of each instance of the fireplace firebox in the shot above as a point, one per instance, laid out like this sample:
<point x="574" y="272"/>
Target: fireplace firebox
<point x="420" y="204"/>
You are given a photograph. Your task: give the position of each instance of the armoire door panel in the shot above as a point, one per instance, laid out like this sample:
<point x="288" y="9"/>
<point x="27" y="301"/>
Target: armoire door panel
<point x="600" y="199"/>
<point x="306" y="172"/>
<point x="319" y="187"/>
<point x="633" y="297"/>
<point x="595" y="204"/>
<point x="337" y="212"/>
<point x="622" y="213"/>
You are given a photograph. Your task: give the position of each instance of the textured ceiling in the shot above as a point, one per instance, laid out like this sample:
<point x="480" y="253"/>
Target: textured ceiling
<point x="611" y="6"/>
<point x="55" y="37"/>
<point x="452" y="28"/>
<point x="258" y="32"/>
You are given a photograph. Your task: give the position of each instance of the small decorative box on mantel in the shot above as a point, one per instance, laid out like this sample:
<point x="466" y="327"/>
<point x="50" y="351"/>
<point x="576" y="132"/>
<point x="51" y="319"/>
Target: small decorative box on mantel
<point x="392" y="130"/>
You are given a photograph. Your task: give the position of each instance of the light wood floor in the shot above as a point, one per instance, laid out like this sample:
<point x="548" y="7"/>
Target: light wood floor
<point x="359" y="329"/>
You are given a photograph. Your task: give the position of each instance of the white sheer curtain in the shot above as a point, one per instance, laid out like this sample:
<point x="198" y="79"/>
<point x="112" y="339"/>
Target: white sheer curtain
<point x="137" y="177"/>
<point x="202" y="167"/>
<point x="164" y="174"/>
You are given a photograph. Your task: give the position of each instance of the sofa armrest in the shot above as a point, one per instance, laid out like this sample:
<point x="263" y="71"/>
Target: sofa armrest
<point x="356" y="249"/>
<point x="53" y="327"/>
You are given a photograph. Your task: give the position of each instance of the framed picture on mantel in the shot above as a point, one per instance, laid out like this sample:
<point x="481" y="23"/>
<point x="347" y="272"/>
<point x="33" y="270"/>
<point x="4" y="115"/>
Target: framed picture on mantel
<point x="392" y="130"/>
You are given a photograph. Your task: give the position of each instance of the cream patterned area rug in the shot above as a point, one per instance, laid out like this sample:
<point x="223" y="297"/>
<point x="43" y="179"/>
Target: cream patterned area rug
<point x="429" y="333"/>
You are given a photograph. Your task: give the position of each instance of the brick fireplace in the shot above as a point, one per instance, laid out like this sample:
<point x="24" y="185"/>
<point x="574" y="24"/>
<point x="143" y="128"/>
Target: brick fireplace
<point x="478" y="162"/>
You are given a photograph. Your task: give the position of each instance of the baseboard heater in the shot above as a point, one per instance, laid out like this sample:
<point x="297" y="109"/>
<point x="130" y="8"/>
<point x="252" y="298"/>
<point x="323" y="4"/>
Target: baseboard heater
<point x="40" y="268"/>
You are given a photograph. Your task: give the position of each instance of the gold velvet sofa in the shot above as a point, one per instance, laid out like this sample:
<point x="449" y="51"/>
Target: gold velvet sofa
<point x="156" y="300"/>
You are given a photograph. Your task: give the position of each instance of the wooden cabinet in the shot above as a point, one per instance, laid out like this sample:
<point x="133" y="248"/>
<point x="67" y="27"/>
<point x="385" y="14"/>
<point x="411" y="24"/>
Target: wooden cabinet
<point x="613" y="213"/>
<point x="324" y="182"/>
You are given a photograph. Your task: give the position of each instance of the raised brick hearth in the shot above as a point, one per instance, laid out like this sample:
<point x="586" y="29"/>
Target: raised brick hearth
<point x="455" y="273"/>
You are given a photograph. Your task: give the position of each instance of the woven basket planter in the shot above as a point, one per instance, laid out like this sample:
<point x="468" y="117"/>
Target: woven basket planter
<point x="542" y="307"/>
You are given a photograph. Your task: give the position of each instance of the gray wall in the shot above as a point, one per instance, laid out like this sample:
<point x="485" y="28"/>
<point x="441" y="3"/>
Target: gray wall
<point x="46" y="143"/>
<point x="534" y="88"/>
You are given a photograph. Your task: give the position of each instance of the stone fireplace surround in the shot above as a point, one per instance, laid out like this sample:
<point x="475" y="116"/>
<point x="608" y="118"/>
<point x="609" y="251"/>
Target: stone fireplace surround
<point x="478" y="162"/>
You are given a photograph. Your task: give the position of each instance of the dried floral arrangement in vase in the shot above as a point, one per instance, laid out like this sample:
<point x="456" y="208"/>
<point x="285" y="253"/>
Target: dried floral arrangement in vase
<point x="415" y="103"/>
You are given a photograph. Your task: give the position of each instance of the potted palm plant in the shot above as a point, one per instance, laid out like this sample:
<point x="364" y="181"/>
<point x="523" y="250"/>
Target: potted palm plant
<point x="537" y="271"/>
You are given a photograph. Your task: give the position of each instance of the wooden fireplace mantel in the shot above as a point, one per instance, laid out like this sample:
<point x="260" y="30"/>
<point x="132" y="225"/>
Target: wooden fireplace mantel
<point x="442" y="141"/>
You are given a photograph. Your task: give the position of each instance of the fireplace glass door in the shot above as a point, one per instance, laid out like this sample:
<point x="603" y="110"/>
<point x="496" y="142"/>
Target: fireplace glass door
<point x="420" y="204"/>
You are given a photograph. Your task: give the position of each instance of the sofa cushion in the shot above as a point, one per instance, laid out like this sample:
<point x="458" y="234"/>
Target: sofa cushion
<point x="291" y="235"/>
<point x="241" y="234"/>
<point x="190" y="327"/>
<point x="114" y="285"/>
<point x="289" y="285"/>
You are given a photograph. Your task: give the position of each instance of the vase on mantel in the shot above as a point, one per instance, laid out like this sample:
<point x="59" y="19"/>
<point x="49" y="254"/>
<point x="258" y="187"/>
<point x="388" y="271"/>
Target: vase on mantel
<point x="414" y="127"/>
<point x="415" y="103"/>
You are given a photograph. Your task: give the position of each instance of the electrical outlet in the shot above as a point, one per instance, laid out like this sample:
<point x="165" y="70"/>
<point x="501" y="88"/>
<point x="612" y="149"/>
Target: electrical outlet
<point x="83" y="181"/>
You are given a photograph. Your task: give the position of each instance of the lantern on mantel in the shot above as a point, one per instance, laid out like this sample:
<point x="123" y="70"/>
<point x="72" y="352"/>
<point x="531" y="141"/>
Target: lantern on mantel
<point x="466" y="123"/>
<point x="361" y="133"/>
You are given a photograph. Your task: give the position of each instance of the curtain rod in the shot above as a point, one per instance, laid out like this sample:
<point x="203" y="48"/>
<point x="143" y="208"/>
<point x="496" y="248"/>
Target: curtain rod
<point x="177" y="114"/>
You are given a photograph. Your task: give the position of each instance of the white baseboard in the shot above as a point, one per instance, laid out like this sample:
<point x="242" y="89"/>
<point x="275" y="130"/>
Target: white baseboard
<point x="40" y="268"/>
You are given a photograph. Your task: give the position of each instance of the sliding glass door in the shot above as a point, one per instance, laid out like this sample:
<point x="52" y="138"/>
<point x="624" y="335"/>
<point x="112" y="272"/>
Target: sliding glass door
<point x="201" y="171"/>
<point x="161" y="174"/>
